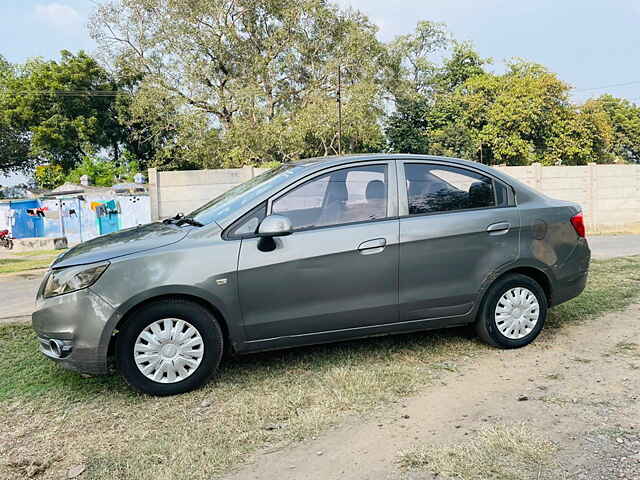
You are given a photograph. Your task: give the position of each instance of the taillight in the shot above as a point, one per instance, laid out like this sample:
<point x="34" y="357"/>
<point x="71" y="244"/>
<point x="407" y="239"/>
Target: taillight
<point x="578" y="224"/>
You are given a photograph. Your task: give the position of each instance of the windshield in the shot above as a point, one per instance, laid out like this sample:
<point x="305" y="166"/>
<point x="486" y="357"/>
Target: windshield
<point x="243" y="194"/>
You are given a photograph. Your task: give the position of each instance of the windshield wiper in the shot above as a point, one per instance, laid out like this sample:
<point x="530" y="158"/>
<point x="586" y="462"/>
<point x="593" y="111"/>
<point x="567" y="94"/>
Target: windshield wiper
<point x="189" y="221"/>
<point x="173" y="219"/>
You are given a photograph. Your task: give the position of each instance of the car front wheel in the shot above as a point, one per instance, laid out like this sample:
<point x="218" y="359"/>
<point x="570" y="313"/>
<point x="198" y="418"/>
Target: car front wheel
<point x="169" y="347"/>
<point x="513" y="312"/>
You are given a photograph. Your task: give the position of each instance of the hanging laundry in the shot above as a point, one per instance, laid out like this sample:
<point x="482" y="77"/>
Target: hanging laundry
<point x="101" y="210"/>
<point x="112" y="207"/>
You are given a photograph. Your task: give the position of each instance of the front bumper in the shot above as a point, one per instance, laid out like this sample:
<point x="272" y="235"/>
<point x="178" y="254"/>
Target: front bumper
<point x="77" y="320"/>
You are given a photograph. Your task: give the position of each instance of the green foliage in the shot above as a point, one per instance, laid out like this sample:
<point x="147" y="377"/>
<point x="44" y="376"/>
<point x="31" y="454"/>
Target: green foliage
<point x="60" y="111"/>
<point x="406" y="128"/>
<point x="49" y="176"/>
<point x="254" y="82"/>
<point x="103" y="173"/>
<point x="14" y="140"/>
<point x="270" y="165"/>
<point x="625" y="121"/>
<point x="411" y="70"/>
<point x="465" y="63"/>
<point x="516" y="118"/>
<point x="62" y="127"/>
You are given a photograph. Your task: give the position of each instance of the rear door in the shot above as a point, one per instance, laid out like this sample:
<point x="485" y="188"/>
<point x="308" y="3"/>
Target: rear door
<point x="457" y="226"/>
<point x="338" y="269"/>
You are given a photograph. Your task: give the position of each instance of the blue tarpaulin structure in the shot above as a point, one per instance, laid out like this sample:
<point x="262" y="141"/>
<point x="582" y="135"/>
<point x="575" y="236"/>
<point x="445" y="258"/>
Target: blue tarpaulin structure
<point x="26" y="222"/>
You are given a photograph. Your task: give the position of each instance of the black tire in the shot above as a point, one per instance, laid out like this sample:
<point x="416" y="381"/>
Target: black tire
<point x="486" y="326"/>
<point x="199" y="317"/>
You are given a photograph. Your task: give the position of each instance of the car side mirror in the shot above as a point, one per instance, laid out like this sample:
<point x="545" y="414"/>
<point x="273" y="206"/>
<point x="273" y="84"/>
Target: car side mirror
<point x="275" y="226"/>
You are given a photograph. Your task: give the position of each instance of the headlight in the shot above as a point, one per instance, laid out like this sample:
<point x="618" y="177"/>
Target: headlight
<point x="71" y="279"/>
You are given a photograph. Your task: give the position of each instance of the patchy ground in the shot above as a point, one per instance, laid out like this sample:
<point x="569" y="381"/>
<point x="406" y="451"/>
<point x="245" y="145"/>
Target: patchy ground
<point x="20" y="276"/>
<point x="565" y="407"/>
<point x="344" y="402"/>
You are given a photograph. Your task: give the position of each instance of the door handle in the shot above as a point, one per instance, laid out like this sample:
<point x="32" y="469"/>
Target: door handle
<point x="372" y="246"/>
<point x="498" y="228"/>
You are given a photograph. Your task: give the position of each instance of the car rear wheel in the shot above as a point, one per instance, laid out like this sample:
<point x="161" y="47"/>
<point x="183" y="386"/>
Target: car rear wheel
<point x="169" y="347"/>
<point x="513" y="312"/>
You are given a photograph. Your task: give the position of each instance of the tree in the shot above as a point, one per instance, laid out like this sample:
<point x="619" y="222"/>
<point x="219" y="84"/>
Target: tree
<point x="14" y="141"/>
<point x="406" y="128"/>
<point x="52" y="101"/>
<point x="411" y="70"/>
<point x="49" y="176"/>
<point x="625" y="120"/>
<point x="516" y="118"/>
<point x="428" y="120"/>
<point x="465" y="63"/>
<point x="243" y="73"/>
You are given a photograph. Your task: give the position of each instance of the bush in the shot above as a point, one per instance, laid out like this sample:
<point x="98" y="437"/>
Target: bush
<point x="103" y="173"/>
<point x="49" y="176"/>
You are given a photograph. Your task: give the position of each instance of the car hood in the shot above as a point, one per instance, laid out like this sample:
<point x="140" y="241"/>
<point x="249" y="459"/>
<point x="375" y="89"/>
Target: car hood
<point x="124" y="242"/>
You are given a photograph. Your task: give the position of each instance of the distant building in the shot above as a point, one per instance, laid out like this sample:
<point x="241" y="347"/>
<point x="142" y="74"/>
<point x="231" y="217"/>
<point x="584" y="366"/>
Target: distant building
<point x="77" y="212"/>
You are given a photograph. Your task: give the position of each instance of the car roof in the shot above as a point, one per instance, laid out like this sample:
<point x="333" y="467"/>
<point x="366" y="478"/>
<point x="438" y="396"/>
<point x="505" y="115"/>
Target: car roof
<point x="335" y="160"/>
<point x="365" y="157"/>
<point x="319" y="163"/>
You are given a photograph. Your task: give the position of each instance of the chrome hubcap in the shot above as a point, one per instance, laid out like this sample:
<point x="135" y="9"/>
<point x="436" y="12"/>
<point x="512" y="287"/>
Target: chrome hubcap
<point x="517" y="313"/>
<point x="168" y="350"/>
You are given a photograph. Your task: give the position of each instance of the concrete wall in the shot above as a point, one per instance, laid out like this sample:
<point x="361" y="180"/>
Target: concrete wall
<point x="609" y="194"/>
<point x="184" y="191"/>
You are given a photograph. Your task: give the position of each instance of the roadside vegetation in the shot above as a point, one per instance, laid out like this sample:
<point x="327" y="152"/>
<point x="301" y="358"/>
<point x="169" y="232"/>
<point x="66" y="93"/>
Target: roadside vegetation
<point x="496" y="452"/>
<point x="269" y="95"/>
<point x="52" y="420"/>
<point x="17" y="262"/>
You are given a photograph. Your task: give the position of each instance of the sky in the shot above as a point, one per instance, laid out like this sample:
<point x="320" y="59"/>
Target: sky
<point x="594" y="45"/>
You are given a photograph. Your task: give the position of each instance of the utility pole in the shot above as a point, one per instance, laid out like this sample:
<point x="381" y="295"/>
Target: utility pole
<point x="339" y="100"/>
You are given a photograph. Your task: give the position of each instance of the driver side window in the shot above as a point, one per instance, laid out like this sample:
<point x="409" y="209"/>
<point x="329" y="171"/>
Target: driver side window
<point x="355" y="194"/>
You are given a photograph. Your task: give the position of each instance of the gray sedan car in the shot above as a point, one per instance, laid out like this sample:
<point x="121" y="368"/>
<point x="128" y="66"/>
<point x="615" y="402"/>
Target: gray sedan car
<point x="310" y="252"/>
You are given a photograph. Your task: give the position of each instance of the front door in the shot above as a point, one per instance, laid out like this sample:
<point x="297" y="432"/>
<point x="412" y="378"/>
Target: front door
<point x="456" y="228"/>
<point x="338" y="270"/>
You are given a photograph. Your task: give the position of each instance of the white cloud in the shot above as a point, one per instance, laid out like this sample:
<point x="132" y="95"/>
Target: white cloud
<point x="58" y="15"/>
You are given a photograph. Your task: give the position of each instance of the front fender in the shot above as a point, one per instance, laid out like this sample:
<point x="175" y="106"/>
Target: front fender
<point x="236" y="332"/>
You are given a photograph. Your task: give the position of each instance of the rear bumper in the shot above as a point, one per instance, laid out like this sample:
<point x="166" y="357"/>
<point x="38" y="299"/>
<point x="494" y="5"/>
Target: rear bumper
<point x="76" y="321"/>
<point x="572" y="277"/>
<point x="569" y="288"/>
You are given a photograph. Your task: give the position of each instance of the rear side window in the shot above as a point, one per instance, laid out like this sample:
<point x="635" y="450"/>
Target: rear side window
<point x="440" y="188"/>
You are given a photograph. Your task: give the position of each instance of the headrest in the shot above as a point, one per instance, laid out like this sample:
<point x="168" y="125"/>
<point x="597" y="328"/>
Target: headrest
<point x="337" y="191"/>
<point x="480" y="194"/>
<point x="375" y="190"/>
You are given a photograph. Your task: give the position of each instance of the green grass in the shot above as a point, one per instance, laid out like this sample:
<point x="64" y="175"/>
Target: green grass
<point x="25" y="261"/>
<point x="15" y="265"/>
<point x="46" y="411"/>
<point x="39" y="253"/>
<point x="500" y="452"/>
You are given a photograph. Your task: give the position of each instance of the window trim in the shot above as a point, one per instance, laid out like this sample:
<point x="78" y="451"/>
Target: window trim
<point x="227" y="235"/>
<point x="392" y="191"/>
<point x="403" y="194"/>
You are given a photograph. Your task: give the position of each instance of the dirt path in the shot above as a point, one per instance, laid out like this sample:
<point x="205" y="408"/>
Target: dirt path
<point x="579" y="388"/>
<point x="17" y="295"/>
